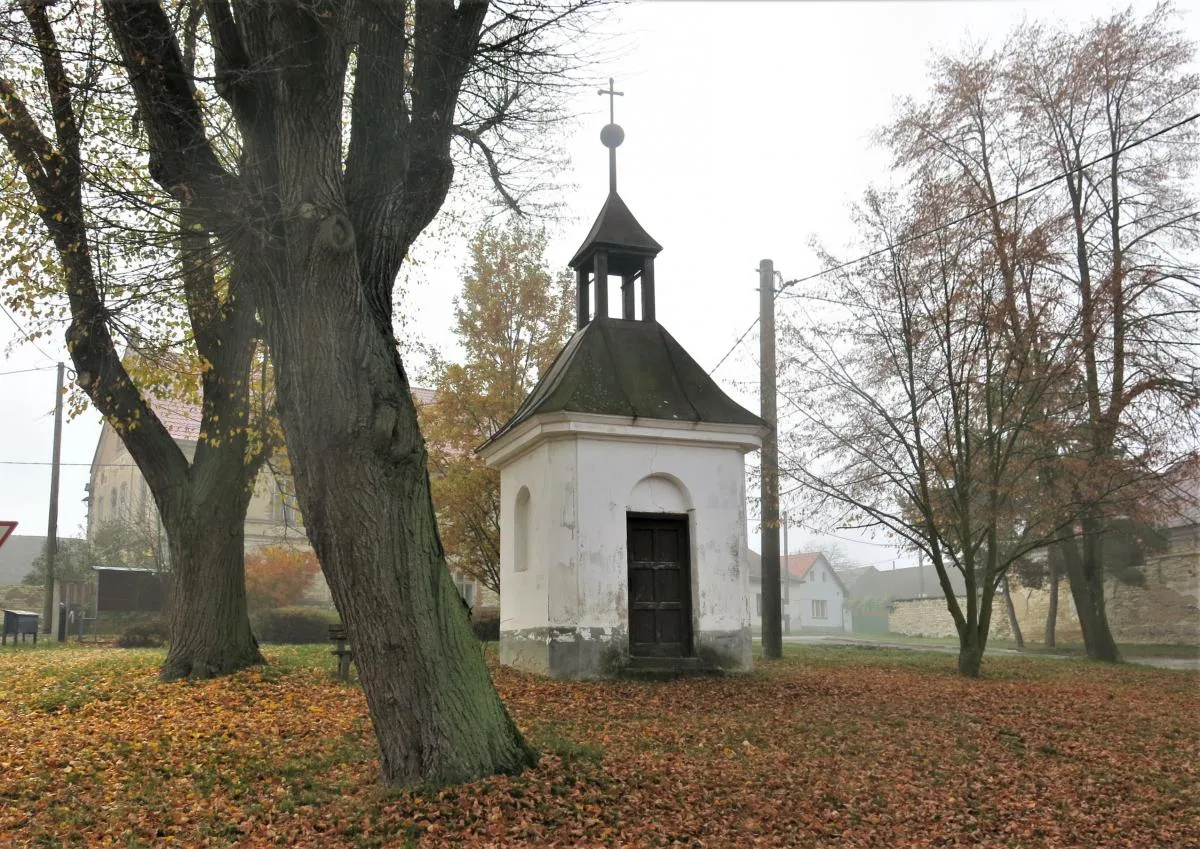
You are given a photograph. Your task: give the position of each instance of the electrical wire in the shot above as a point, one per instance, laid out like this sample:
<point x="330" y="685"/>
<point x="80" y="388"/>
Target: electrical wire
<point x="953" y="223"/>
<point x="25" y="333"/>
<point x="995" y="205"/>
<point x="26" y="370"/>
<point x="734" y="348"/>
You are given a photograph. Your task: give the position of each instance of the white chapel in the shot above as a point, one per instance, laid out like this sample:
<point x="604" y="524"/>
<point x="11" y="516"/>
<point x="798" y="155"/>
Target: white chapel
<point x="622" y="481"/>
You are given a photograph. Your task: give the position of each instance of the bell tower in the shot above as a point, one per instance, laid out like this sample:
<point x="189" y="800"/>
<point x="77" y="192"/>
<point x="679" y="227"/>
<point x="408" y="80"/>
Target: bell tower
<point x="617" y="245"/>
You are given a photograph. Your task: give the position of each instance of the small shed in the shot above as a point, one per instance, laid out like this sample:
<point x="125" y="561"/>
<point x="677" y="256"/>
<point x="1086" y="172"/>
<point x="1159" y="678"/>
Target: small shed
<point x="18" y="623"/>
<point x="124" y="589"/>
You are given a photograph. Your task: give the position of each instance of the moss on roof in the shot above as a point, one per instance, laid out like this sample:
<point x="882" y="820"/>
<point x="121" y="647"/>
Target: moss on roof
<point x="629" y="368"/>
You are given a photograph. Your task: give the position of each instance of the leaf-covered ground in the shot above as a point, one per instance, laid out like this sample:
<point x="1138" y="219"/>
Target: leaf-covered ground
<point x="831" y="747"/>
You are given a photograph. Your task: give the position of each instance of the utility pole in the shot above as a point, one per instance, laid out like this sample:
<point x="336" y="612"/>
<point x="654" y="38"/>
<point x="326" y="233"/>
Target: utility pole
<point x="52" y="524"/>
<point x="785" y="572"/>
<point x="772" y="613"/>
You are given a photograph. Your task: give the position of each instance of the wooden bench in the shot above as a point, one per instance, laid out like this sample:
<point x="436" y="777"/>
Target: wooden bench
<point x="337" y="634"/>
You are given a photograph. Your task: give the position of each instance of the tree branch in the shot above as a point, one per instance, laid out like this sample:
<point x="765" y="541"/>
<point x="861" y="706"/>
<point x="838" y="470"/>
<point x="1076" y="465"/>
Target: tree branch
<point x="182" y="160"/>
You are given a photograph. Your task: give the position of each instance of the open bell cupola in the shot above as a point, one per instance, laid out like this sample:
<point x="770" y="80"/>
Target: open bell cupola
<point x="616" y="246"/>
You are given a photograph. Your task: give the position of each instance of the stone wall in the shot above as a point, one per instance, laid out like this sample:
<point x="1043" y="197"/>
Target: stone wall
<point x="1032" y="607"/>
<point x="1166" y="609"/>
<point x="929" y="617"/>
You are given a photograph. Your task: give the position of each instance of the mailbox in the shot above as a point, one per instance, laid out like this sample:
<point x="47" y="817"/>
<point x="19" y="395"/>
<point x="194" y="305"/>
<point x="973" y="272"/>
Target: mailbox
<point x="18" y="623"/>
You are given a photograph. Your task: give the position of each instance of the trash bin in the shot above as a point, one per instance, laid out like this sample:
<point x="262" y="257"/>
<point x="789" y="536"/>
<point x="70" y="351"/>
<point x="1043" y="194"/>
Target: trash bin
<point x="19" y="623"/>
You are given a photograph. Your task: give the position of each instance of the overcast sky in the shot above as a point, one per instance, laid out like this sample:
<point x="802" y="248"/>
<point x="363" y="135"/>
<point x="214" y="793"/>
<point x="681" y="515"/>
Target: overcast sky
<point x="748" y="131"/>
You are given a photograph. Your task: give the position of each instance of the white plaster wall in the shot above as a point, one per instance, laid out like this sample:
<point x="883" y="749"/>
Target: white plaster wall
<point x="820" y="584"/>
<point x="712" y="478"/>
<point x="548" y="472"/>
<point x="584" y="473"/>
<point x="799" y="598"/>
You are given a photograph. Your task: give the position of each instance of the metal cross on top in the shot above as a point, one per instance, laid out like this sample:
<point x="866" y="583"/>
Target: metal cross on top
<point x="612" y="95"/>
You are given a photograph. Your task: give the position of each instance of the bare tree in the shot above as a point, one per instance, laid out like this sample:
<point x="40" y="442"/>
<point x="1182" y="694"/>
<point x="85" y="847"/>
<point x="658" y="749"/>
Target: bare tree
<point x="1108" y="96"/>
<point x="916" y="405"/>
<point x="1055" y="152"/>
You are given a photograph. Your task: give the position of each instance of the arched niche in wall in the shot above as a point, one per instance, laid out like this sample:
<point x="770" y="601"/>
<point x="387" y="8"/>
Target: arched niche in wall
<point x="659" y="494"/>
<point x="521" y="520"/>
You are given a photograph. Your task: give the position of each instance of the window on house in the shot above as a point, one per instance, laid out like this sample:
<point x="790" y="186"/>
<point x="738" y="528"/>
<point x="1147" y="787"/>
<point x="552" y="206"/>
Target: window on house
<point x="759" y="597"/>
<point x="819" y="609"/>
<point x="823" y="577"/>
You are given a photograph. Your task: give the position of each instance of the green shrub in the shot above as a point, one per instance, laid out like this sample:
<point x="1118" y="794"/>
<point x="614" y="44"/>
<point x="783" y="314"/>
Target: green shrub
<point x="293" y="625"/>
<point x="487" y="625"/>
<point x="144" y="635"/>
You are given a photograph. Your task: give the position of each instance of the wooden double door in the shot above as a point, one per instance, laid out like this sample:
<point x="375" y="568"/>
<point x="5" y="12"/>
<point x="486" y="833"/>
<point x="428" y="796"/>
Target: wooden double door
<point x="660" y="595"/>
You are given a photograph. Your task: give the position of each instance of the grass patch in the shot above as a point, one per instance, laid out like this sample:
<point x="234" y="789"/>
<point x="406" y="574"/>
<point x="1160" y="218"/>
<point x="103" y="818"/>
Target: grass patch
<point x="1128" y="651"/>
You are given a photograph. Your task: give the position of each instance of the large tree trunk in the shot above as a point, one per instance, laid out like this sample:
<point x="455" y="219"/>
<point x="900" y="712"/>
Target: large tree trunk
<point x="361" y="478"/>
<point x="210" y="628"/>
<point x="351" y="425"/>
<point x="328" y="260"/>
<point x="205" y="524"/>
<point x="1085" y="576"/>
<point x="971" y="636"/>
<point x="970" y="652"/>
<point x="1087" y="590"/>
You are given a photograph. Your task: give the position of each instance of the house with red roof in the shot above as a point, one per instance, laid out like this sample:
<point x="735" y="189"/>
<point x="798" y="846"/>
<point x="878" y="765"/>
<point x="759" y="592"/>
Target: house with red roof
<point x="117" y="492"/>
<point x="813" y="596"/>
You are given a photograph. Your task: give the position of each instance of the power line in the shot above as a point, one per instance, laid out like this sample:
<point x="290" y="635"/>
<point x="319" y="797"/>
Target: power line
<point x="26" y="370"/>
<point x="739" y="341"/>
<point x="24" y="333"/>
<point x="954" y="223"/>
<point x="995" y="205"/>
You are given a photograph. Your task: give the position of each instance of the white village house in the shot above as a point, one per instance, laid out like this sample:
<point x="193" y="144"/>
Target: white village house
<point x="622" y="477"/>
<point x="813" y="595"/>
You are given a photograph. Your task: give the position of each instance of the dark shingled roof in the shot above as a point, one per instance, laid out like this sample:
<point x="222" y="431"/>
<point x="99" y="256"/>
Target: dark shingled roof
<point x="907" y="583"/>
<point x="616" y="229"/>
<point x="619" y="367"/>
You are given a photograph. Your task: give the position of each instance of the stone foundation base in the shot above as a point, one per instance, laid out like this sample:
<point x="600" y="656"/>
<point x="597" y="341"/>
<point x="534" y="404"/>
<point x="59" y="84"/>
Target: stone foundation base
<point x="588" y="653"/>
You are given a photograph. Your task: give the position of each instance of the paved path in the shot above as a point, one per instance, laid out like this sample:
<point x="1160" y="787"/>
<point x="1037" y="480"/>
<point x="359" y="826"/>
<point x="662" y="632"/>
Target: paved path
<point x="1182" y="663"/>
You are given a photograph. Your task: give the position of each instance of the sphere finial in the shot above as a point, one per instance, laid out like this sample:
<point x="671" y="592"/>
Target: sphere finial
<point x="612" y="135"/>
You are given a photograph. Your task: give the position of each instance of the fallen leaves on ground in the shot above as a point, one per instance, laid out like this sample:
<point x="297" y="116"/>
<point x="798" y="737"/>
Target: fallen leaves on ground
<point x="830" y="747"/>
